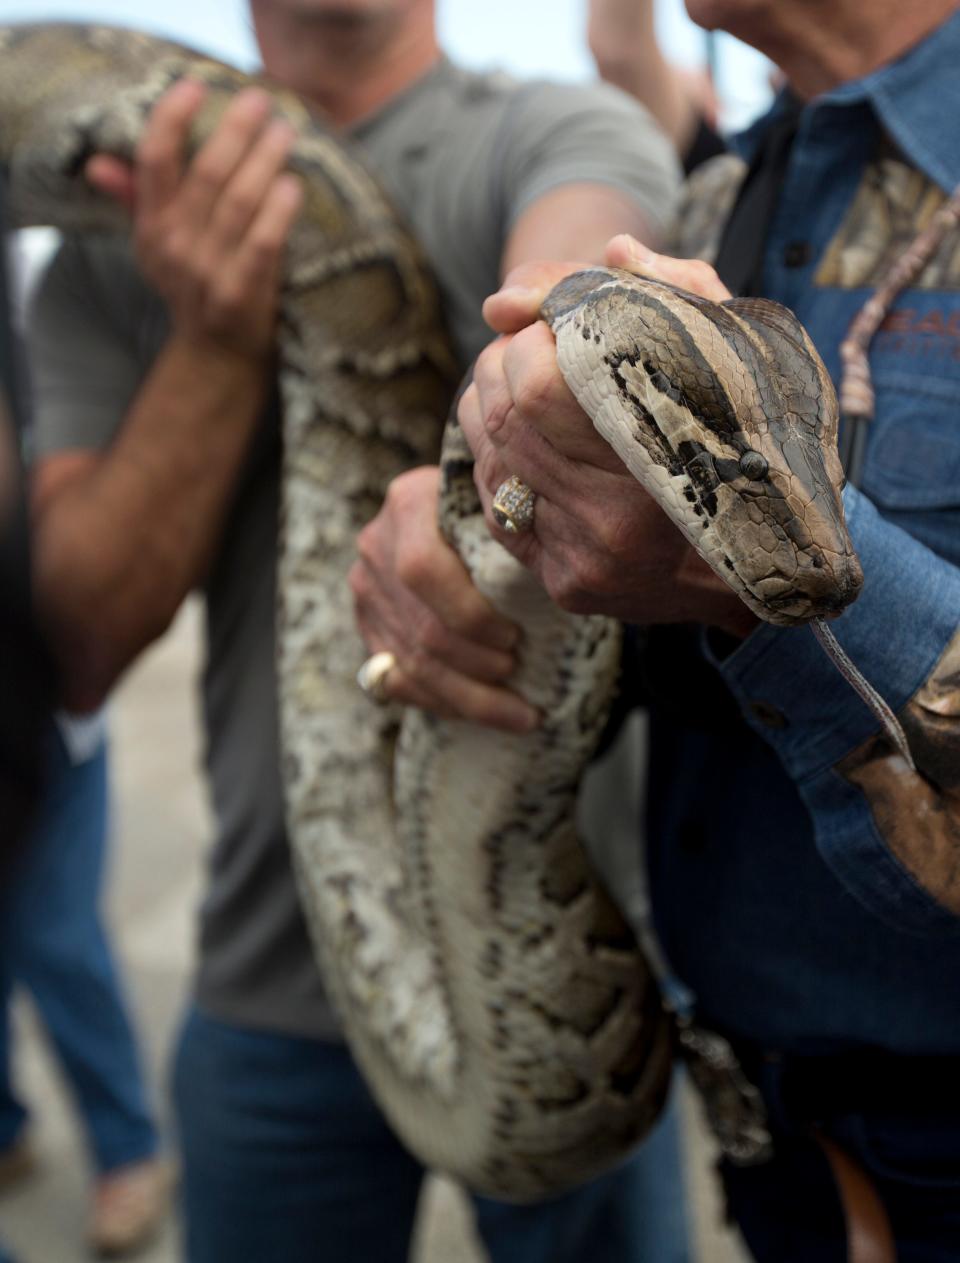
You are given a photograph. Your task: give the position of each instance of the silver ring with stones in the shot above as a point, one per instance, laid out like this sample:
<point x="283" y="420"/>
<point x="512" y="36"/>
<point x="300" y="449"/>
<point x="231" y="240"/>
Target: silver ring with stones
<point x="513" y="505"/>
<point x="372" y="676"/>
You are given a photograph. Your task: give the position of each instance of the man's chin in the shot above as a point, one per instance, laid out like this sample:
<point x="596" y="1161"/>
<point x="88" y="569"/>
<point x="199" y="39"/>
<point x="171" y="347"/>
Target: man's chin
<point x="724" y="15"/>
<point x="335" y="13"/>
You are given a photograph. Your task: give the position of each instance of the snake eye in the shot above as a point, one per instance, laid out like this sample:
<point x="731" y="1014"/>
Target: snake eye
<point x="753" y="465"/>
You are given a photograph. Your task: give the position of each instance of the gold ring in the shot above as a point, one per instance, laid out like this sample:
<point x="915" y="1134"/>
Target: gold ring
<point x="372" y="676"/>
<point x="513" y="505"/>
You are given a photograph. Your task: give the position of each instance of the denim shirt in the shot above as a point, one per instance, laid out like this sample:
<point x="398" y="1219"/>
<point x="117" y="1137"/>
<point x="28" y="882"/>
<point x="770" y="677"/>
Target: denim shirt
<point x="803" y="881"/>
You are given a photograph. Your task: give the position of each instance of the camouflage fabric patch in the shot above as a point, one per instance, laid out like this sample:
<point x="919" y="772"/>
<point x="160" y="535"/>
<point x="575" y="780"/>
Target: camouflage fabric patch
<point x="918" y="816"/>
<point x="893" y="203"/>
<point x="705" y="206"/>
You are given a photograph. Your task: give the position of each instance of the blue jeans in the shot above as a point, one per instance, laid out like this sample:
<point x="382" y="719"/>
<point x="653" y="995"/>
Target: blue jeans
<point x="789" y="1210"/>
<point x="288" y="1160"/>
<point x="52" y="943"/>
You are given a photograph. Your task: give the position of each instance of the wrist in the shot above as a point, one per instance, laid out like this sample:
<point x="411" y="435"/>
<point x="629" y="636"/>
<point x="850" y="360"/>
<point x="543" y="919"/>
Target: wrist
<point x="217" y="362"/>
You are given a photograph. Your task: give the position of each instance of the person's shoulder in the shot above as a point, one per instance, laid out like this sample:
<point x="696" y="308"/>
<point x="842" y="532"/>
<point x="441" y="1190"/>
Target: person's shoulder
<point x="479" y="86"/>
<point x="595" y="129"/>
<point x="591" y="95"/>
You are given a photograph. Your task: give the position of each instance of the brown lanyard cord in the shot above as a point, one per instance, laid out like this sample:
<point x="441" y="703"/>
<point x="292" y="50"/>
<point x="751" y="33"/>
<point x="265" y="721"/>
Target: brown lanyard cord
<point x="857" y="401"/>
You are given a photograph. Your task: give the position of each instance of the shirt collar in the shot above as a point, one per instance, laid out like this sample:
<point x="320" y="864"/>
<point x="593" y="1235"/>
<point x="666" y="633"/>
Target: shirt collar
<point x="420" y="93"/>
<point x="915" y="98"/>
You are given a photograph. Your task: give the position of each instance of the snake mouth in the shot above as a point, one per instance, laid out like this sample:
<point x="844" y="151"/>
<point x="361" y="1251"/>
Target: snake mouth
<point x="825" y="592"/>
<point x="799" y="608"/>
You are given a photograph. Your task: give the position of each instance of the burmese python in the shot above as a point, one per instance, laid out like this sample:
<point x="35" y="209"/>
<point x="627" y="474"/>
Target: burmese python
<point x="500" y="1009"/>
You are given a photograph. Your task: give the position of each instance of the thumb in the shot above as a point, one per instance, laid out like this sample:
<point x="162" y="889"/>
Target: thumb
<point x="517" y="303"/>
<point x="114" y="178"/>
<point x="694" y="275"/>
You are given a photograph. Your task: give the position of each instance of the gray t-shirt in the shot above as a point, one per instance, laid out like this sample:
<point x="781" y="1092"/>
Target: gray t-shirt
<point x="463" y="155"/>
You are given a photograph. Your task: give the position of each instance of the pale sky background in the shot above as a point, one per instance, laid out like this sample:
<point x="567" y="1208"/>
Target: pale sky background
<point x="530" y="37"/>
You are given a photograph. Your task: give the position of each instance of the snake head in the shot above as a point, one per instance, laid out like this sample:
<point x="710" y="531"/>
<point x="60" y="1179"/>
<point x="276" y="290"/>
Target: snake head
<point x="727" y="416"/>
<point x="798" y="563"/>
<point x="780" y="528"/>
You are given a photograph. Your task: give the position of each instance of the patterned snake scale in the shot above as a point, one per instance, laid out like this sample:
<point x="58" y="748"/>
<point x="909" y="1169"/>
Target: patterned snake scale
<point x="499" y="1007"/>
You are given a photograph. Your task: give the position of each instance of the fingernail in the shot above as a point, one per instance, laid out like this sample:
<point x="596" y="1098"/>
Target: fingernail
<point x="625" y="251"/>
<point x="189" y="87"/>
<point x="638" y="252"/>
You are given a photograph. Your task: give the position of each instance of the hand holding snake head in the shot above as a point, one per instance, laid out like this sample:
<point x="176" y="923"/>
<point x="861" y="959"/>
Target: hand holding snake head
<point x="600" y="543"/>
<point x="720" y="408"/>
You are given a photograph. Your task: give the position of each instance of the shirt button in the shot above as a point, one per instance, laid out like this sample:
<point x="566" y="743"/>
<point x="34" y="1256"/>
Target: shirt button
<point x="796" y="254"/>
<point x="768" y="715"/>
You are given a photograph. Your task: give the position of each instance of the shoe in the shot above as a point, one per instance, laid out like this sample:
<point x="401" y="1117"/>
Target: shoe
<point x="129" y="1205"/>
<point x="17" y="1163"/>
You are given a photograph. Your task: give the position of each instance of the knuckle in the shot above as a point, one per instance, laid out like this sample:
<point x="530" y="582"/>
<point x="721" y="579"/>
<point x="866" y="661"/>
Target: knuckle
<point x="595" y="577"/>
<point x="176" y="251"/>
<point x="533" y="394"/>
<point x="434" y="638"/>
<point x="577" y="582"/>
<point x="397" y="494"/>
<point x="152" y="149"/>
<point x="414" y="569"/>
<point x="367" y="549"/>
<point x="207" y="169"/>
<point x="615" y="536"/>
<point x="265" y="247"/>
<point x="497" y="416"/>
<point x="569" y="598"/>
<point x="418" y="664"/>
<point x="486" y="471"/>
<point x="240" y="205"/>
<point x="405" y="495"/>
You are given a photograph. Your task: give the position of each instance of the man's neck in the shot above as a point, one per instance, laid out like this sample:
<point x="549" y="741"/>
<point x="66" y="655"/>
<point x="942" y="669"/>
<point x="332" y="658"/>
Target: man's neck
<point x="347" y="70"/>
<point x="824" y="43"/>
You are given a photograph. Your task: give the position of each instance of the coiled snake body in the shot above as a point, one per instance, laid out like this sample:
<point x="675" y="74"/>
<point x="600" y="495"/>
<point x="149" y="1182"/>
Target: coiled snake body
<point x="494" y="998"/>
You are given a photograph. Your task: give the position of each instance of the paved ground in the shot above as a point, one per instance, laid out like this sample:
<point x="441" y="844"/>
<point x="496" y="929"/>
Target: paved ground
<point x="161" y="822"/>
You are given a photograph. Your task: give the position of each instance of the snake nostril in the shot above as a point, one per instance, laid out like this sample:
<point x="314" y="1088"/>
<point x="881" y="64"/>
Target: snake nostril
<point x="817" y="562"/>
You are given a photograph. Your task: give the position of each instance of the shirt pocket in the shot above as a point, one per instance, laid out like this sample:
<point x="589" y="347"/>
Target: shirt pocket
<point x="913" y="458"/>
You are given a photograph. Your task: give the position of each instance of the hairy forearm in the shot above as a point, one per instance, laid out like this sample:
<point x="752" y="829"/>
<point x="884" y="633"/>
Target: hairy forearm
<point x="120" y="545"/>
